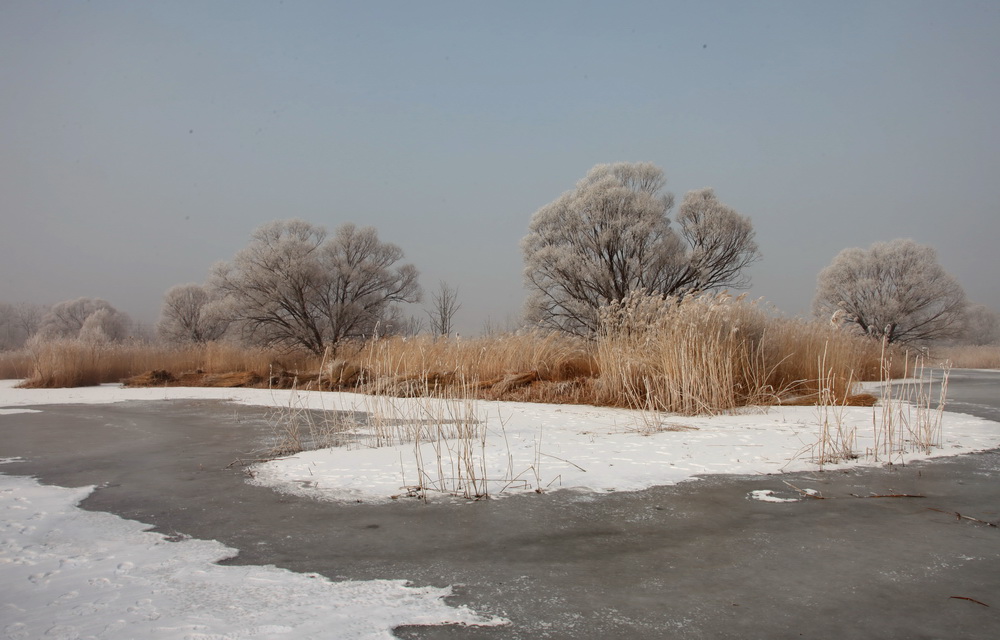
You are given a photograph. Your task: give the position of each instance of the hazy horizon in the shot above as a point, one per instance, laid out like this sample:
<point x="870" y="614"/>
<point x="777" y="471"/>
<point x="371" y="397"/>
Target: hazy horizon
<point x="143" y="142"/>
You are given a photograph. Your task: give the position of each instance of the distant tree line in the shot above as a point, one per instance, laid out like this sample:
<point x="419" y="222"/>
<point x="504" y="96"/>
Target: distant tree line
<point x="88" y="319"/>
<point x="295" y="286"/>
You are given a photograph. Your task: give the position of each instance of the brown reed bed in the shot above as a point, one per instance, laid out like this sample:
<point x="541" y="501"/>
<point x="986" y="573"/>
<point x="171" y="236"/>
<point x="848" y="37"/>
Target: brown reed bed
<point x="714" y="353"/>
<point x="15" y="365"/>
<point x="75" y="363"/>
<point x="704" y="354"/>
<point x="968" y="356"/>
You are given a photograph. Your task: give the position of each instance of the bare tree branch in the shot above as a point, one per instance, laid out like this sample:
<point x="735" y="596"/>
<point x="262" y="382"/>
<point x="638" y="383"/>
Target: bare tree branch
<point x="445" y="306"/>
<point x="293" y="287"/>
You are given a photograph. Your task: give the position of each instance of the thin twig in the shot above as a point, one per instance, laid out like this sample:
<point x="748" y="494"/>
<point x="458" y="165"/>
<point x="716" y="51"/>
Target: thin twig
<point x="969" y="599"/>
<point x="817" y="496"/>
<point x="961" y="517"/>
<point x="562" y="460"/>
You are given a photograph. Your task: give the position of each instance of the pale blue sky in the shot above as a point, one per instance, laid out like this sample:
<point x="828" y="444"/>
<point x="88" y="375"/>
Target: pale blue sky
<point x="140" y="142"/>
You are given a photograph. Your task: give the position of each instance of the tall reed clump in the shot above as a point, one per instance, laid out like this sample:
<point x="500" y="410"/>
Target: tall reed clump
<point x="820" y="361"/>
<point x="910" y="412"/>
<point x="15" y="365"/>
<point x="74" y="363"/>
<point x="715" y="353"/>
<point x="697" y="355"/>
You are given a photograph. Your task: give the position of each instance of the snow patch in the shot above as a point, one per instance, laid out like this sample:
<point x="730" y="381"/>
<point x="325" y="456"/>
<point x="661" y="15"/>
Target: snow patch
<point x="766" y="495"/>
<point x="73" y="573"/>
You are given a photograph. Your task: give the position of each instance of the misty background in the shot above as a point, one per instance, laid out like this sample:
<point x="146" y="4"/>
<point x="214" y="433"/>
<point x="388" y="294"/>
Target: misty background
<point x="142" y="142"/>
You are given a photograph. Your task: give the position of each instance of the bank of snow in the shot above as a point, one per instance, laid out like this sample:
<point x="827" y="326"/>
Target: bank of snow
<point x="529" y="447"/>
<point x="70" y="573"/>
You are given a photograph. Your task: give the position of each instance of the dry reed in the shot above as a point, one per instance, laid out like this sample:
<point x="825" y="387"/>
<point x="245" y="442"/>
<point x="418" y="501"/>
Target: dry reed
<point x="74" y="363"/>
<point x="714" y="353"/>
<point x="15" y="365"/>
<point x="704" y="354"/>
<point x="969" y="356"/>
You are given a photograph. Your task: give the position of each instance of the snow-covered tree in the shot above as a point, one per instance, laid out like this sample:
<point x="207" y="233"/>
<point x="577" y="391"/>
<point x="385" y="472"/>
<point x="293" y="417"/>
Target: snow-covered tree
<point x="982" y="326"/>
<point x="611" y="235"/>
<point x="897" y="291"/>
<point x="294" y="287"/>
<point x="105" y="325"/>
<point x="18" y="322"/>
<point x="191" y="314"/>
<point x="69" y="318"/>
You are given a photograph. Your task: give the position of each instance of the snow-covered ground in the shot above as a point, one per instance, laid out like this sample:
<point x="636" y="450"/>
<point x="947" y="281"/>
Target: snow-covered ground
<point x="69" y="573"/>
<point x="65" y="571"/>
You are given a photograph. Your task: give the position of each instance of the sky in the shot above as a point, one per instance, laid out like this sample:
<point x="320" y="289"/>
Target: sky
<point x="140" y="143"/>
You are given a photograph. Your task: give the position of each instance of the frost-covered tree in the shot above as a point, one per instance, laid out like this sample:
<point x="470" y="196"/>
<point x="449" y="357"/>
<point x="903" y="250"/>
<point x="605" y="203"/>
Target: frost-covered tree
<point x="68" y="319"/>
<point x="191" y="314"/>
<point x="105" y="325"/>
<point x="896" y="291"/>
<point x="18" y="322"/>
<point x="982" y="326"/>
<point x="611" y="235"/>
<point x="295" y="287"/>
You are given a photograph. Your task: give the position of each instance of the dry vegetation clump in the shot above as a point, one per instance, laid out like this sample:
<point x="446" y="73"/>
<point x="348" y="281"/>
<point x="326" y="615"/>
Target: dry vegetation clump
<point x="74" y="363"/>
<point x="702" y="354"/>
<point x="714" y="353"/>
<point x="811" y="358"/>
<point x="532" y="366"/>
<point x="15" y="365"/>
<point x="551" y="355"/>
